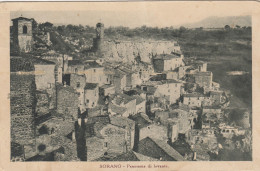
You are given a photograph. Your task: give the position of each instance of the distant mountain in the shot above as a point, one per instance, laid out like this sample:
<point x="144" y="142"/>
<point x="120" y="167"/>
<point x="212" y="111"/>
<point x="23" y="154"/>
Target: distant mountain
<point x="218" y="22"/>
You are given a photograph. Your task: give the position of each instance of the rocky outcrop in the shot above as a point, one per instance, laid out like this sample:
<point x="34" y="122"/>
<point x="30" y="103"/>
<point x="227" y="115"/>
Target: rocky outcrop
<point x="127" y="51"/>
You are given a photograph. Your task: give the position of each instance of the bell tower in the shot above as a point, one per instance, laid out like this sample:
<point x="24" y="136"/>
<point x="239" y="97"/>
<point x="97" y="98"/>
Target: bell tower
<point x="98" y="41"/>
<point x="22" y="34"/>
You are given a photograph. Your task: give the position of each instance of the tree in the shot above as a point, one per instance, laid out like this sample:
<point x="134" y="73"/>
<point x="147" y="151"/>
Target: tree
<point x="227" y="27"/>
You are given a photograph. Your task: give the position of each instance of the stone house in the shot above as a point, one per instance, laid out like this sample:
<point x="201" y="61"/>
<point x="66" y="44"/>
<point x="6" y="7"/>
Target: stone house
<point x="67" y="101"/>
<point x="78" y="82"/>
<point x="94" y="73"/>
<point x="126" y="101"/>
<point x="158" y="149"/>
<point x="140" y="104"/>
<point x="169" y="89"/>
<point x="156" y="131"/>
<point x="193" y="100"/>
<point x="129" y="126"/>
<point x="217" y="97"/>
<point x="204" y="79"/>
<point x="91" y="95"/>
<point x="117" y="110"/>
<point x="107" y="90"/>
<point x="74" y="66"/>
<point x="108" y="139"/>
<point x="167" y="62"/>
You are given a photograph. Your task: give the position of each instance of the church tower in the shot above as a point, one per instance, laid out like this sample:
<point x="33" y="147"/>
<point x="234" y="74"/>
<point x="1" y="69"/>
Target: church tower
<point x="98" y="41"/>
<point x="22" y="34"/>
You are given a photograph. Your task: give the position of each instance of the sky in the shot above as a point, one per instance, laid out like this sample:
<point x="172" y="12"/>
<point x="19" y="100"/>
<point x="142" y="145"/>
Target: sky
<point x="135" y="14"/>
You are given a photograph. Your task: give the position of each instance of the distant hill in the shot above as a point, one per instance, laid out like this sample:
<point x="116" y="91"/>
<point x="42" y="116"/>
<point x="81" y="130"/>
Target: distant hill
<point x="218" y="22"/>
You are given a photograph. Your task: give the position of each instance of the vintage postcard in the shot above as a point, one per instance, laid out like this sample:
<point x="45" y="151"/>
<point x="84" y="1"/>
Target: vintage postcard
<point x="130" y="85"/>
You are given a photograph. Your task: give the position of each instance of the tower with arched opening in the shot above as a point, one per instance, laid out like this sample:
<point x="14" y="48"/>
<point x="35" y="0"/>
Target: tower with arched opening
<point x="22" y="34"/>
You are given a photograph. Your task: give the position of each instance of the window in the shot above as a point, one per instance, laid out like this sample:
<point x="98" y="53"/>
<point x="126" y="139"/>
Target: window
<point x="76" y="70"/>
<point x="94" y="70"/>
<point x="24" y="29"/>
<point x="87" y="100"/>
<point x="78" y="84"/>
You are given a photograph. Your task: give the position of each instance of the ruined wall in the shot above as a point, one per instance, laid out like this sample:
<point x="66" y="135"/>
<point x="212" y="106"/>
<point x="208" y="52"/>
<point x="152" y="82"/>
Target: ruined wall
<point x="128" y="50"/>
<point x="22" y="100"/>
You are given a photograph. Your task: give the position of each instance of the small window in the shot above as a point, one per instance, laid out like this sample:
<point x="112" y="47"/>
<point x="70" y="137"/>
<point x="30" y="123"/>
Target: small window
<point x="94" y="70"/>
<point x="87" y="100"/>
<point x="24" y="29"/>
<point x="78" y="84"/>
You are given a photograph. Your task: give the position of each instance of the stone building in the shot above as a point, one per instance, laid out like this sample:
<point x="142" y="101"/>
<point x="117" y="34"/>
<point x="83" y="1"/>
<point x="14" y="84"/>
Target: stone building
<point x="78" y="83"/>
<point x="169" y="89"/>
<point x="167" y="62"/>
<point x="91" y="95"/>
<point x="74" y="66"/>
<point x="158" y="149"/>
<point x="126" y="101"/>
<point x="193" y="100"/>
<point x="107" y="90"/>
<point x="44" y="75"/>
<point x="204" y="79"/>
<point x="22" y="101"/>
<point x="23" y="34"/>
<point x="67" y="101"/>
<point x="94" y="73"/>
<point x="156" y="131"/>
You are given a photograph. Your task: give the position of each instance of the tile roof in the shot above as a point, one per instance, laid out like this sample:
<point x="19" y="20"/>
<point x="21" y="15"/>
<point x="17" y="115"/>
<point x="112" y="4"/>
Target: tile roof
<point x="122" y="98"/>
<point x="138" y="99"/>
<point x="141" y="120"/>
<point x="75" y="62"/>
<point x="165" y="147"/>
<point x="122" y="122"/>
<point x="117" y="109"/>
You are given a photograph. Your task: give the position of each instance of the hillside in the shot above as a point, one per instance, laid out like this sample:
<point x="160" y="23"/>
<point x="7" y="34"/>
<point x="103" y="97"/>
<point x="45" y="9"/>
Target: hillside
<point x="220" y="22"/>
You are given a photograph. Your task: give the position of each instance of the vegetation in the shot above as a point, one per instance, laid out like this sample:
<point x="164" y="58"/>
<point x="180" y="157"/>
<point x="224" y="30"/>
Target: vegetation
<point x="225" y="49"/>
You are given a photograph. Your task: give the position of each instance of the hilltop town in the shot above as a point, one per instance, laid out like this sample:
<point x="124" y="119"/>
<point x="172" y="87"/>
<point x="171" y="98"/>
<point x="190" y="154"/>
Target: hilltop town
<point x="116" y="100"/>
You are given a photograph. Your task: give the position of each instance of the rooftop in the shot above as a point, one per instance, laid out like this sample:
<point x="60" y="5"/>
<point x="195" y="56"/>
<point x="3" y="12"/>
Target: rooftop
<point x="75" y="62"/>
<point x="92" y="65"/>
<point x="166" y="148"/>
<point x="26" y="63"/>
<point x="166" y="56"/>
<point x="22" y="18"/>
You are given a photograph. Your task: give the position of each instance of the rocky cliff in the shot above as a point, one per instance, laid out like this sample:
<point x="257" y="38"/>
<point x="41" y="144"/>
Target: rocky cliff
<point x="127" y="51"/>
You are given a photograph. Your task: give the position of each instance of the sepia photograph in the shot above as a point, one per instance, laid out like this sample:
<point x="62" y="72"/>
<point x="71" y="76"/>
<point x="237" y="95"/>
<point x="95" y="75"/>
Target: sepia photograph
<point x="135" y="86"/>
<point x="112" y="91"/>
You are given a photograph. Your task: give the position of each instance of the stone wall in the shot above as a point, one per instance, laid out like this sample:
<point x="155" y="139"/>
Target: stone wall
<point x="22" y="100"/>
<point x="67" y="101"/>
